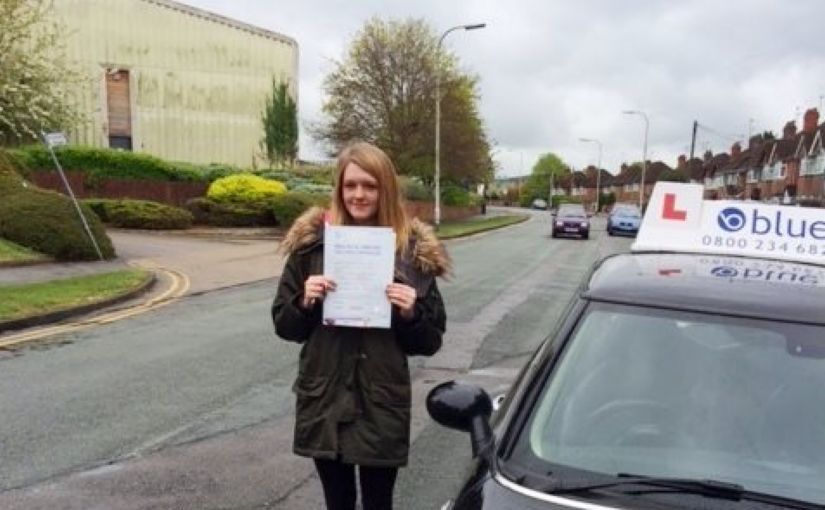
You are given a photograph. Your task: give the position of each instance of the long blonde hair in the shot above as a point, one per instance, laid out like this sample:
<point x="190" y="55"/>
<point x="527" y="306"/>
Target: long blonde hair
<point x="391" y="211"/>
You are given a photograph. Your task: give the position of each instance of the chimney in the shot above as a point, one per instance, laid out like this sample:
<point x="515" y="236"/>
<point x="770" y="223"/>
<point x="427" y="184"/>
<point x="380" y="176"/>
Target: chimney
<point x="789" y="131"/>
<point x="707" y="156"/>
<point x="810" y="121"/>
<point x="754" y="141"/>
<point x="735" y="150"/>
<point x="682" y="161"/>
<point x="623" y="168"/>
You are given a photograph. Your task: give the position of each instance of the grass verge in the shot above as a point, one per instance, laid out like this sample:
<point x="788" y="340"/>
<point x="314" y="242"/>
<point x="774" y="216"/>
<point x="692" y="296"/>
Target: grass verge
<point x="453" y="229"/>
<point x="19" y="301"/>
<point x="13" y="254"/>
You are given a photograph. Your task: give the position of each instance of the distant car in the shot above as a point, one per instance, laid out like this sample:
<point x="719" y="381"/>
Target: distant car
<point x="539" y="204"/>
<point x="571" y="220"/>
<point x="686" y="374"/>
<point x="624" y="219"/>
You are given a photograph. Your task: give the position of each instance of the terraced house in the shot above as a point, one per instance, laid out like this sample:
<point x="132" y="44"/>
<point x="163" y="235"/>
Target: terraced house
<point x="172" y="80"/>
<point x="791" y="168"/>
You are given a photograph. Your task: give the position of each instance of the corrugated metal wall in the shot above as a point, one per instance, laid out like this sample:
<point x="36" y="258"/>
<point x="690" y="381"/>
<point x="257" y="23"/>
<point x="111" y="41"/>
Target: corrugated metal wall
<point x="197" y="85"/>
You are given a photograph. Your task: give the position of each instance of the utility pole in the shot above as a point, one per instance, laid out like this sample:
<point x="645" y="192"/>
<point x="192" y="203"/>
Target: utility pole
<point x="693" y="140"/>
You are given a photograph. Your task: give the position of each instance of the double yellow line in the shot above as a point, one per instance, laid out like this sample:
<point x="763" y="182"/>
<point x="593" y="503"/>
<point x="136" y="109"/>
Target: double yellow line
<point x="179" y="287"/>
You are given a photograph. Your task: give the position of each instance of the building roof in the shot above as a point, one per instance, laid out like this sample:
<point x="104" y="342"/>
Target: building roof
<point x="223" y="20"/>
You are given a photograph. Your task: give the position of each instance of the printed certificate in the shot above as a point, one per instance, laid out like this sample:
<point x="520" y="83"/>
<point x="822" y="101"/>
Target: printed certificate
<point x="361" y="261"/>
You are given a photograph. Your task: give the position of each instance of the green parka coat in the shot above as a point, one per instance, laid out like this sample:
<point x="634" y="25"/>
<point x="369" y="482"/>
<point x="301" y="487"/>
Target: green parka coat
<point x="353" y="384"/>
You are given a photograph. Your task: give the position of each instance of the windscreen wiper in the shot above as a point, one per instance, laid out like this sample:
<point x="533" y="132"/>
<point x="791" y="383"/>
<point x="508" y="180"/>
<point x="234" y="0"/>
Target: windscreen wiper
<point x="708" y="488"/>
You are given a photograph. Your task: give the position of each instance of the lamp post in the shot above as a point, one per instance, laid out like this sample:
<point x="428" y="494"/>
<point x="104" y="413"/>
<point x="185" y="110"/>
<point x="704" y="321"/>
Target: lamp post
<point x="598" y="171"/>
<point x="437" y="217"/>
<point x="644" y="153"/>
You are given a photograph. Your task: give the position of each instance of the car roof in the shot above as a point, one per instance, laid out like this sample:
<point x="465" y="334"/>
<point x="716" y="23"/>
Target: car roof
<point x="718" y="284"/>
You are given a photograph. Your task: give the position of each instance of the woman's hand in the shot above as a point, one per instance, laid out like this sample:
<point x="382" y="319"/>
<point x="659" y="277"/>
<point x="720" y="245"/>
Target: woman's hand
<point x="315" y="289"/>
<point x="403" y="296"/>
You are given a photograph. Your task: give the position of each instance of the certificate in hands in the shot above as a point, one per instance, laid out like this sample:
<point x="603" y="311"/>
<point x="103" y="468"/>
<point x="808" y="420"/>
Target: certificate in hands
<point x="361" y="261"/>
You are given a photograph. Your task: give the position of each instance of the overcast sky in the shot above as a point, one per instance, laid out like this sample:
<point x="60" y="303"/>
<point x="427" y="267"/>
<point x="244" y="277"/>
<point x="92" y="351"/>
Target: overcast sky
<point x="552" y="72"/>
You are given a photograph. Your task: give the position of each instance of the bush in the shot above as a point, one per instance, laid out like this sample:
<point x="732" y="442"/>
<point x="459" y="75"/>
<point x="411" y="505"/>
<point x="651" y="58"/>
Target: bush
<point x="415" y="190"/>
<point x="244" y="188"/>
<point x="46" y="221"/>
<point x="105" y="163"/>
<point x="455" y="196"/>
<point x="287" y="207"/>
<point x="116" y="164"/>
<point x="145" y="214"/>
<point x="209" y="212"/>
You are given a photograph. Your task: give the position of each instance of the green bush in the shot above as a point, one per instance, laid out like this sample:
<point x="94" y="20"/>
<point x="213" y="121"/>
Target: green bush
<point x="46" y="221"/>
<point x="218" y="214"/>
<point x="106" y="163"/>
<point x="455" y="196"/>
<point x="244" y="188"/>
<point x="116" y="164"/>
<point x="415" y="190"/>
<point x="287" y="207"/>
<point x="143" y="214"/>
<point x="100" y="207"/>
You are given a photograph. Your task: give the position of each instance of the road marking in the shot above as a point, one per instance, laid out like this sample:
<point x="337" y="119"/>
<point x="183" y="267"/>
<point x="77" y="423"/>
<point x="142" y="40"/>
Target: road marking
<point x="179" y="287"/>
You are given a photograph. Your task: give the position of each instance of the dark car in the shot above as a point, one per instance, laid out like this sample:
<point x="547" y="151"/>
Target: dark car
<point x="675" y="380"/>
<point x="624" y="219"/>
<point x="571" y="220"/>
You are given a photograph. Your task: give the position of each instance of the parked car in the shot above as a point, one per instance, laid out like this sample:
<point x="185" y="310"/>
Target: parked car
<point x="689" y="379"/>
<point x="571" y="219"/>
<point x="539" y="203"/>
<point x="624" y="219"/>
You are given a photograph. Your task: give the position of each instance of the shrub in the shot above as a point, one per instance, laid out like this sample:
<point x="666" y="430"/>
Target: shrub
<point x="244" y="188"/>
<point x="209" y="212"/>
<point x="47" y="222"/>
<point x="99" y="206"/>
<point x="455" y="196"/>
<point x="415" y="190"/>
<point x="106" y="163"/>
<point x="145" y="214"/>
<point x="289" y="206"/>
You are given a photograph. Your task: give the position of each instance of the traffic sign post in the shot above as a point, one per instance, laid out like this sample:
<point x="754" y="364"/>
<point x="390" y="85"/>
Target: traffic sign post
<point x="52" y="140"/>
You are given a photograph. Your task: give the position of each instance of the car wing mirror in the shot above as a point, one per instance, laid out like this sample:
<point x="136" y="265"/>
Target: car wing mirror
<point x="465" y="407"/>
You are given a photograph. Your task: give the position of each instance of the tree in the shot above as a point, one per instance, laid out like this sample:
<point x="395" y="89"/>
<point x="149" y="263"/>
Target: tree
<point x="280" y="122"/>
<point x="35" y="76"/>
<point x="538" y="184"/>
<point x="383" y="92"/>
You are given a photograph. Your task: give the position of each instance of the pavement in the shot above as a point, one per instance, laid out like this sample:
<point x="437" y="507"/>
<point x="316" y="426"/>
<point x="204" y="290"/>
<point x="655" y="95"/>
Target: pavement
<point x="183" y="263"/>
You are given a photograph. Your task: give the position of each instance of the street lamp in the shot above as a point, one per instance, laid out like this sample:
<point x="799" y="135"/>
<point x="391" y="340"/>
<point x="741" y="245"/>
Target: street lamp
<point x="598" y="171"/>
<point x="438" y="117"/>
<point x="644" y="152"/>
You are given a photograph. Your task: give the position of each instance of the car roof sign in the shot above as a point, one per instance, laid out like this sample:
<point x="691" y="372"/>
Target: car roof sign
<point x="678" y="219"/>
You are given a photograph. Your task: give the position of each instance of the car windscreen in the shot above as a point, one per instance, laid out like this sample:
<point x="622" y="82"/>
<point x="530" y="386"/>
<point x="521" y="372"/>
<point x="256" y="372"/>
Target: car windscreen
<point x="627" y="213"/>
<point x="673" y="394"/>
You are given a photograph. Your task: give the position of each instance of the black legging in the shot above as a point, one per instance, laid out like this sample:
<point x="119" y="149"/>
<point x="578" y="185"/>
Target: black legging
<point x="338" y="480"/>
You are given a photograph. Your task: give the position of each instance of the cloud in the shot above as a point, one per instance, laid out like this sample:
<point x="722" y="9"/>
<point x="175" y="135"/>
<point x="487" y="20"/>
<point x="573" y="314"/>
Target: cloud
<point x="552" y="72"/>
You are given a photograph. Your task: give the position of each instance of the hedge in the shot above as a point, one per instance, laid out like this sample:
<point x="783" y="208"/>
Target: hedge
<point x="144" y="214"/>
<point x="287" y="207"/>
<point x="47" y="222"/>
<point x="116" y="164"/>
<point x="209" y="212"/>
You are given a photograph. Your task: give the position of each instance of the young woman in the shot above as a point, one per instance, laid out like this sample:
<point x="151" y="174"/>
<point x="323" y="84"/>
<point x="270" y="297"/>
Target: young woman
<point x="353" y="384"/>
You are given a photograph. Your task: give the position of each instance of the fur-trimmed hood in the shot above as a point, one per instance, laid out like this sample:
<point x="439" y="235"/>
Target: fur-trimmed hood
<point x="426" y="252"/>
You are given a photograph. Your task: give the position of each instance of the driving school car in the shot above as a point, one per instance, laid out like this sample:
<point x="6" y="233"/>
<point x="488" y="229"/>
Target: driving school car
<point x="688" y="373"/>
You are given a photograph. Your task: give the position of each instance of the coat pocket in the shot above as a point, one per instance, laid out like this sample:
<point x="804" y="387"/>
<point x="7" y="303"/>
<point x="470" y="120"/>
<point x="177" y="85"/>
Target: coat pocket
<point x="392" y="394"/>
<point x="312" y="425"/>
